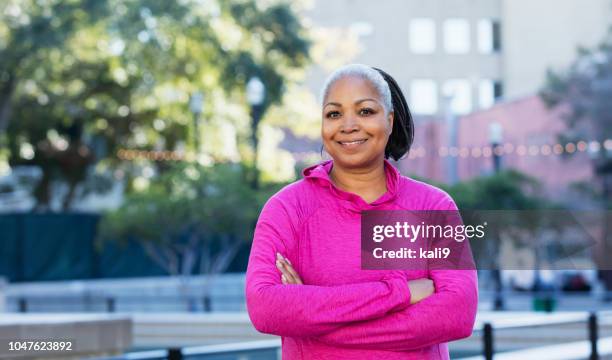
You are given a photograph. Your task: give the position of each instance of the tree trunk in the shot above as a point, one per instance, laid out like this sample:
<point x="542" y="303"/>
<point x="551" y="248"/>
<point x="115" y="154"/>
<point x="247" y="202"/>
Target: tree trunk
<point x="6" y="93"/>
<point x="42" y="193"/>
<point x="256" y="114"/>
<point x="213" y="266"/>
<point x="69" y="198"/>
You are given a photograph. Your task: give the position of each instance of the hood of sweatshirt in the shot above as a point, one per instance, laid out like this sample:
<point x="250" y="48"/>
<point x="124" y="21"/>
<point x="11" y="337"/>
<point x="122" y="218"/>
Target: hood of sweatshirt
<point x="319" y="174"/>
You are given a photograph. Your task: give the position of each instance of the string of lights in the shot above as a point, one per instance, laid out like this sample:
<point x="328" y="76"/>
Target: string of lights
<point x="416" y="152"/>
<point x="515" y="150"/>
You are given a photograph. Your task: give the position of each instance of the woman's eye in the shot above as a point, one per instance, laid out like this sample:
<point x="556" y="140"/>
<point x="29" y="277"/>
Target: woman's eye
<point x="332" y="114"/>
<point x="366" y="111"/>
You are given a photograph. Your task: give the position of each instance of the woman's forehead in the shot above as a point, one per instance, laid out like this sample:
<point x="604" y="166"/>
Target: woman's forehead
<point x="352" y="87"/>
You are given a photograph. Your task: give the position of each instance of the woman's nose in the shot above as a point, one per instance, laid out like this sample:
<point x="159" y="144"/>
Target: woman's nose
<point x="349" y="124"/>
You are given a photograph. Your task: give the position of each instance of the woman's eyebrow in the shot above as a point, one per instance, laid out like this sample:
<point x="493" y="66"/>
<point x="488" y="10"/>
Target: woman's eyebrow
<point x="333" y="104"/>
<point x="367" y="99"/>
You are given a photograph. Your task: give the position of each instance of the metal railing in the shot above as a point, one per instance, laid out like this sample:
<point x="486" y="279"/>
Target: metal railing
<point x="101" y="302"/>
<point x="591" y="321"/>
<point x="115" y="303"/>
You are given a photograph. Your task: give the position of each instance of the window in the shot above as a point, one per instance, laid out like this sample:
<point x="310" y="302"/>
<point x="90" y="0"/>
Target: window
<point x="489" y="91"/>
<point x="489" y="36"/>
<point x="423" y="97"/>
<point x="456" y="36"/>
<point x="460" y="92"/>
<point x="498" y="90"/>
<point x="422" y="36"/>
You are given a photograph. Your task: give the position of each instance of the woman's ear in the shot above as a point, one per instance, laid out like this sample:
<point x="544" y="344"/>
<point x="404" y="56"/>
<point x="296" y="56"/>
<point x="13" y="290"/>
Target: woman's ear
<point x="391" y="118"/>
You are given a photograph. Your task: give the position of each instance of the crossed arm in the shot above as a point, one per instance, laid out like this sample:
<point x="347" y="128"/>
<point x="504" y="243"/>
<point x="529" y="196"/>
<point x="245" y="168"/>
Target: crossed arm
<point x="299" y="310"/>
<point x="390" y="314"/>
<point x="446" y="315"/>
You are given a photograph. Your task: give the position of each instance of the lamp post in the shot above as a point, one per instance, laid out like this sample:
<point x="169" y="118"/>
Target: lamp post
<point x="452" y="128"/>
<point x="256" y="93"/>
<point x="495" y="139"/>
<point x="196" y="105"/>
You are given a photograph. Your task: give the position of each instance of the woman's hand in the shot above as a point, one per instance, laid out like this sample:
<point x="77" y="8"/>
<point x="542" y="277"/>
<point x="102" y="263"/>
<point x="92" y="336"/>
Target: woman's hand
<point x="288" y="273"/>
<point x="420" y="289"/>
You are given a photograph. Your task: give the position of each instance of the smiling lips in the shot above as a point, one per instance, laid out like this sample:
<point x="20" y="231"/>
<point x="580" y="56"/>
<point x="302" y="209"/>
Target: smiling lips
<point x="352" y="144"/>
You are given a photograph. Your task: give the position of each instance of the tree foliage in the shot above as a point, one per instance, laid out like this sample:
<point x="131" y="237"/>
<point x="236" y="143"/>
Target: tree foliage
<point x="584" y="90"/>
<point x="511" y="205"/>
<point x="506" y="190"/>
<point x="192" y="219"/>
<point x="80" y="79"/>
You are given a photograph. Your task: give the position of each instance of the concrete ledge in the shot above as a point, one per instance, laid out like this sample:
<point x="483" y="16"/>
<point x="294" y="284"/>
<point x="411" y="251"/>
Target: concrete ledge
<point x="185" y="329"/>
<point x="91" y="335"/>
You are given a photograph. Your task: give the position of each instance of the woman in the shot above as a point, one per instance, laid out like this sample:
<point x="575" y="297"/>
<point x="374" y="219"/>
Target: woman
<point x="304" y="281"/>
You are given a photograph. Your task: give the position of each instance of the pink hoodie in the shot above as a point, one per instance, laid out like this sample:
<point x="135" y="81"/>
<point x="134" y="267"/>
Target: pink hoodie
<point x="341" y="311"/>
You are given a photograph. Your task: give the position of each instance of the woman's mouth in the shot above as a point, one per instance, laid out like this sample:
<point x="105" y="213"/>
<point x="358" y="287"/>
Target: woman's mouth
<point x="353" y="143"/>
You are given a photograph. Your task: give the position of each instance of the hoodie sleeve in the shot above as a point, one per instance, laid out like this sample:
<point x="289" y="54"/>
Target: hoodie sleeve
<point x="307" y="310"/>
<point x="446" y="315"/>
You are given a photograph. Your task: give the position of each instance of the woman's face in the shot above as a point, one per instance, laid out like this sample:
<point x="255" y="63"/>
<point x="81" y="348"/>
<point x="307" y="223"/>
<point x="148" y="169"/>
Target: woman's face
<point x="355" y="129"/>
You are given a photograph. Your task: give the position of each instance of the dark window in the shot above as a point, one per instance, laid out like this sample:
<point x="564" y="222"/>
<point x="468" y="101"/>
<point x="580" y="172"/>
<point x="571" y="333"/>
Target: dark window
<point x="497" y="45"/>
<point x="498" y="90"/>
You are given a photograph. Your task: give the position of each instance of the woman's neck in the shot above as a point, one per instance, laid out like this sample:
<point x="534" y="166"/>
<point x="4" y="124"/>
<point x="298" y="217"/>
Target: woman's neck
<point x="369" y="183"/>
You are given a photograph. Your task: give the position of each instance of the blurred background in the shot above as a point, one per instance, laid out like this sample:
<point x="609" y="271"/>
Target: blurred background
<point x="140" y="139"/>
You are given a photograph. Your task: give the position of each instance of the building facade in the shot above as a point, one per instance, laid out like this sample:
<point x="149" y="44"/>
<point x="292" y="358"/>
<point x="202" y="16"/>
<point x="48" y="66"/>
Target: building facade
<point x="465" y="53"/>
<point x="525" y="133"/>
<point x="464" y="65"/>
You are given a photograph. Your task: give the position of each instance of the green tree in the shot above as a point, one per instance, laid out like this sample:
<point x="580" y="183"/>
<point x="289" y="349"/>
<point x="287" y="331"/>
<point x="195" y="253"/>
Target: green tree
<point x="190" y="220"/>
<point x="584" y="91"/>
<point x="506" y="190"/>
<point x="483" y="197"/>
<point x="81" y="79"/>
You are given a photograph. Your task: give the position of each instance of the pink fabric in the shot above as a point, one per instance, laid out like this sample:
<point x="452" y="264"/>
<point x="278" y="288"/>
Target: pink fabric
<point x="341" y="311"/>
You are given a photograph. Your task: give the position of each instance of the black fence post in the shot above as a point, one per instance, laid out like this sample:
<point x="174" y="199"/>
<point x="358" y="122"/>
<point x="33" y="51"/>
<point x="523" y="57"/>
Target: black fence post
<point x="110" y="304"/>
<point x="487" y="338"/>
<point x="175" y="354"/>
<point x="593" y="330"/>
<point x="23" y="305"/>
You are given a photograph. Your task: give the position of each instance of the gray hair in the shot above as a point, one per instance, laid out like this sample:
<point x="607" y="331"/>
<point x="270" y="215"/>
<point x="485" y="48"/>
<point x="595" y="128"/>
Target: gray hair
<point x="364" y="72"/>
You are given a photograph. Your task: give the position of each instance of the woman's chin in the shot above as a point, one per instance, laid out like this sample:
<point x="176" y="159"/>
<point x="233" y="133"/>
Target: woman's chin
<point x="352" y="161"/>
